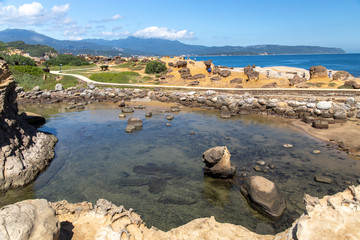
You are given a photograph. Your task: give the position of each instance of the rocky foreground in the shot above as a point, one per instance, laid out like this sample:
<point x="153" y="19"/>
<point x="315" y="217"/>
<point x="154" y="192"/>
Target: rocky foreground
<point x="24" y="151"/>
<point x="332" y="217"/>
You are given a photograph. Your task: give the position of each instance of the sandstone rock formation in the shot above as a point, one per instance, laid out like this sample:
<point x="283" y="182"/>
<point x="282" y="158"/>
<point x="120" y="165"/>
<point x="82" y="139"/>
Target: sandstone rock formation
<point x="208" y="63"/>
<point x="318" y="71"/>
<point x="251" y="73"/>
<point x="225" y="73"/>
<point x="217" y="163"/>
<point x="29" y="220"/>
<point x="181" y="64"/>
<point x="264" y="196"/>
<point x="133" y="124"/>
<point x="341" y="75"/>
<point x="333" y="217"/>
<point x="24" y="151"/>
<point x="185" y="73"/>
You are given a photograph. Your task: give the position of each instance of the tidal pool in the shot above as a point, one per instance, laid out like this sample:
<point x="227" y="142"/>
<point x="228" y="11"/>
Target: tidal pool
<point x="159" y="173"/>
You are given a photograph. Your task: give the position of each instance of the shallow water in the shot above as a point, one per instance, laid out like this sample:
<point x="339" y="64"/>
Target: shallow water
<point x="158" y="171"/>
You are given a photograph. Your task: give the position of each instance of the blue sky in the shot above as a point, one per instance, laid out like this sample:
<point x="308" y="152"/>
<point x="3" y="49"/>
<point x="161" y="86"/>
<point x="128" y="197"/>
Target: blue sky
<point x="330" y="23"/>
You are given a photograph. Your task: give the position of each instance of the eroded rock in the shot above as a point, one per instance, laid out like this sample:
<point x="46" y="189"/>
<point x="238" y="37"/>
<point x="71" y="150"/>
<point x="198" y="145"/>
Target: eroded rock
<point x="218" y="163"/>
<point x="264" y="196"/>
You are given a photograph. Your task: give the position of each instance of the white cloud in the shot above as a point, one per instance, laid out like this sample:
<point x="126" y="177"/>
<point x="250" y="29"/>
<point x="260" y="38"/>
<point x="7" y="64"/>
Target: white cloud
<point x="163" y="33"/>
<point x="110" y="34"/>
<point x="116" y="17"/>
<point x="33" y="9"/>
<point x="31" y="14"/>
<point x="60" y="9"/>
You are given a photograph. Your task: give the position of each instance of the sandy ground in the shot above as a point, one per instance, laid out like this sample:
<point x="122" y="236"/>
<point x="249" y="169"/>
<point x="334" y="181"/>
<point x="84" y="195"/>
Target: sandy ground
<point x="347" y="132"/>
<point x="197" y="67"/>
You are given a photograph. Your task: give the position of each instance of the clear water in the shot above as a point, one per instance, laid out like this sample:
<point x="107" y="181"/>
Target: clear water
<point x="158" y="171"/>
<point x="345" y="62"/>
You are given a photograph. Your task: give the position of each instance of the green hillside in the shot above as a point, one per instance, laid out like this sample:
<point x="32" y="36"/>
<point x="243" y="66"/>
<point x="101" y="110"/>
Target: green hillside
<point x="34" y="50"/>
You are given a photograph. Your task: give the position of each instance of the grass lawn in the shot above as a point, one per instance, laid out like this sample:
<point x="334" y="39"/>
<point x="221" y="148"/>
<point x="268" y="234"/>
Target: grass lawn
<point x="28" y="82"/>
<point x="119" y="77"/>
<point x="68" y="67"/>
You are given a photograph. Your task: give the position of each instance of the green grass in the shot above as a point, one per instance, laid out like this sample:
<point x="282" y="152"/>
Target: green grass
<point x="68" y="67"/>
<point x="121" y="77"/>
<point x="345" y="87"/>
<point x="331" y="84"/>
<point x="28" y="81"/>
<point x="136" y="68"/>
<point x="126" y="65"/>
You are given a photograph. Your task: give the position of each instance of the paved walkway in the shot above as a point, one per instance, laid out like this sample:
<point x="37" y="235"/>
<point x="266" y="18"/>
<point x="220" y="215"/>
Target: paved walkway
<point x="355" y="92"/>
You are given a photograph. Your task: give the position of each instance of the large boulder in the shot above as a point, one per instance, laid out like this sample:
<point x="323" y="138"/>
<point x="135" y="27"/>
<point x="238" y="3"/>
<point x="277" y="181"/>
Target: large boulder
<point x="133" y="124"/>
<point x="181" y="64"/>
<point x="251" y="73"/>
<point x="296" y="80"/>
<point x="217" y="163"/>
<point x="185" y="73"/>
<point x="225" y="73"/>
<point x="29" y="220"/>
<point x="264" y="196"/>
<point x="318" y="71"/>
<point x="341" y="75"/>
<point x="352" y="83"/>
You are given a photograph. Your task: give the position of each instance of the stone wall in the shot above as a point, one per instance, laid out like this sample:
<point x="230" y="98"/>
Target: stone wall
<point x="24" y="151"/>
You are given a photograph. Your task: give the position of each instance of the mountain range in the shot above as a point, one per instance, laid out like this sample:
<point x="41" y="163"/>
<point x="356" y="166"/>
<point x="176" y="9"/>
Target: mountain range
<point x="153" y="46"/>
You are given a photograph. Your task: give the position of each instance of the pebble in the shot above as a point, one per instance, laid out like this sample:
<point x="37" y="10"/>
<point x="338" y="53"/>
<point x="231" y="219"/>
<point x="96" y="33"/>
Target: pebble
<point x="272" y="166"/>
<point x="257" y="168"/>
<point x="358" y="180"/>
<point x="261" y="163"/>
<point x="121" y="115"/>
<point x="316" y="151"/>
<point x="192" y="133"/>
<point x="168" y="124"/>
<point x="148" y="114"/>
<point x="347" y="182"/>
<point x="227" y="138"/>
<point x="287" y="145"/>
<point x="169" y="117"/>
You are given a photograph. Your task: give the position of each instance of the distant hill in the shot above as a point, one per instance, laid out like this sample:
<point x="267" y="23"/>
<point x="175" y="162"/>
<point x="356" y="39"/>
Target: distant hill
<point x="34" y="50"/>
<point x="139" y="46"/>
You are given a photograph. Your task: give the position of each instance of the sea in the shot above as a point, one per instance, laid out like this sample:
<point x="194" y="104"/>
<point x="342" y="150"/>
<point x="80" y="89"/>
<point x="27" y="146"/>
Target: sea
<point x="345" y="62"/>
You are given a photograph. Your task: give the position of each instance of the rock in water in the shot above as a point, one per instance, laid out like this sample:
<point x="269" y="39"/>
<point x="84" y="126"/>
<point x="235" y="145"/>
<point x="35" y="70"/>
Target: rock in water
<point x="157" y="185"/>
<point x="218" y="163"/>
<point x="133" y="124"/>
<point x="127" y="110"/>
<point x="33" y="118"/>
<point x="264" y="196"/>
<point x="225" y="112"/>
<point x="322" y="179"/>
<point x="29" y="220"/>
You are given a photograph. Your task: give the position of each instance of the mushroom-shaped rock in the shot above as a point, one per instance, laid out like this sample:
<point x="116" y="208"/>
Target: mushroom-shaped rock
<point x="251" y="73"/>
<point x="133" y="124"/>
<point x="264" y="196"/>
<point x="208" y="63"/>
<point x="341" y="75"/>
<point x="217" y="163"/>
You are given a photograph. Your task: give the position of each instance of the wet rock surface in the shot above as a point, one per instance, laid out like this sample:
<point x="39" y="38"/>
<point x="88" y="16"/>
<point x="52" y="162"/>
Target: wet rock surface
<point x="133" y="124"/>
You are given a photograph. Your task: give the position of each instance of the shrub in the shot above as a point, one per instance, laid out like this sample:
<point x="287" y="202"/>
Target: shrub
<point x="17" y="60"/>
<point x="35" y="71"/>
<point x="155" y="67"/>
<point x="67" y="60"/>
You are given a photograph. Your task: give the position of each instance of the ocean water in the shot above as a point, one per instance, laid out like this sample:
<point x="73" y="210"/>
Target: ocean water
<point x="158" y="171"/>
<point x="345" y="62"/>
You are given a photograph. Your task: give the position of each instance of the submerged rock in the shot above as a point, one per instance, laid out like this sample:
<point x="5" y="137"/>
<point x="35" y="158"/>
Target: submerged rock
<point x="127" y="110"/>
<point x="218" y="163"/>
<point x="264" y="196"/>
<point x="157" y="185"/>
<point x="133" y="124"/>
<point x="323" y="179"/>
